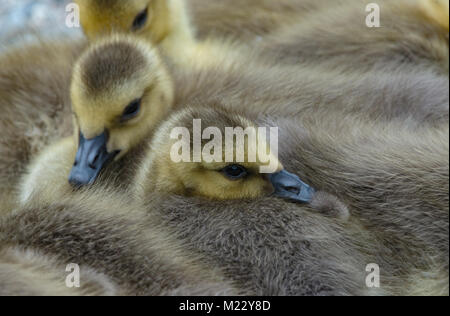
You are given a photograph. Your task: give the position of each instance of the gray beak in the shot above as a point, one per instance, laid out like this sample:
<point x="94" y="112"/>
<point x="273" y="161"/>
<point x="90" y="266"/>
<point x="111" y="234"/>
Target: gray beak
<point x="289" y="186"/>
<point x="91" y="158"/>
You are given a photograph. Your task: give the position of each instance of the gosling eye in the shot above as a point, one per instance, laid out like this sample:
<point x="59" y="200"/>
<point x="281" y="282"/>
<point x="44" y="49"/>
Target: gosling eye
<point x="235" y="172"/>
<point x="140" y="20"/>
<point x="132" y="110"/>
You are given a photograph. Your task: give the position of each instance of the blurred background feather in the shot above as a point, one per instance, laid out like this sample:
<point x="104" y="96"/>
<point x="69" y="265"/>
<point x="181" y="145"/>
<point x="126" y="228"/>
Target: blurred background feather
<point x="23" y="19"/>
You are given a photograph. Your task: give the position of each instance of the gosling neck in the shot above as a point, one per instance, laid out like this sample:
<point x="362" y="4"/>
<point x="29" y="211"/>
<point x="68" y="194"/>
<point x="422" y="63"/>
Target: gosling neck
<point x="180" y="43"/>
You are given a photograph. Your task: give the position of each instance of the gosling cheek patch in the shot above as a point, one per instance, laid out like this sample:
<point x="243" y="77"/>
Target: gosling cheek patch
<point x="289" y="186"/>
<point x="91" y="158"/>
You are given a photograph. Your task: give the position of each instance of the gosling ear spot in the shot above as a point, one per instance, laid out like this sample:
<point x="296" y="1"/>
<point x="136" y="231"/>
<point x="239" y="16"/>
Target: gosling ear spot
<point x="140" y="20"/>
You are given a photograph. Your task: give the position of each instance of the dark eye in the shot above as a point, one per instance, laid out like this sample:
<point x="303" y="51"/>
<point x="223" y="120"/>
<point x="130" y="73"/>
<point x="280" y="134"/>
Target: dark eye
<point x="132" y="110"/>
<point x="140" y="20"/>
<point x="234" y="172"/>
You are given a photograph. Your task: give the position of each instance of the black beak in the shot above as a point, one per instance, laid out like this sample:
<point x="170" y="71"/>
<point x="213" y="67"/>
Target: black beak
<point x="91" y="158"/>
<point x="289" y="186"/>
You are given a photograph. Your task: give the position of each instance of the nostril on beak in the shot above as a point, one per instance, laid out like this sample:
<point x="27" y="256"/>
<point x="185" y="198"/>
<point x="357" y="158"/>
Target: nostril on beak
<point x="293" y="190"/>
<point x="290" y="186"/>
<point x="93" y="163"/>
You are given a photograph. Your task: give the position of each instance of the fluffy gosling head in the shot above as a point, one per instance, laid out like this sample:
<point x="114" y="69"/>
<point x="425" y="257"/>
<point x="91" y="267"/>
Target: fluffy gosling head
<point x="120" y="90"/>
<point x="190" y="155"/>
<point x="150" y="18"/>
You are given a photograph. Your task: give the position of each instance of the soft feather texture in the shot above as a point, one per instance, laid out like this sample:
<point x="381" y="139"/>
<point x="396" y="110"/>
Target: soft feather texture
<point x="289" y="31"/>
<point x="107" y="235"/>
<point x="415" y="96"/>
<point x="392" y="178"/>
<point x="271" y="246"/>
<point x="277" y="248"/>
<point x="26" y="272"/>
<point x="383" y="248"/>
<point x="394" y="182"/>
<point x="34" y="103"/>
<point x="338" y="37"/>
<point x="248" y="19"/>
